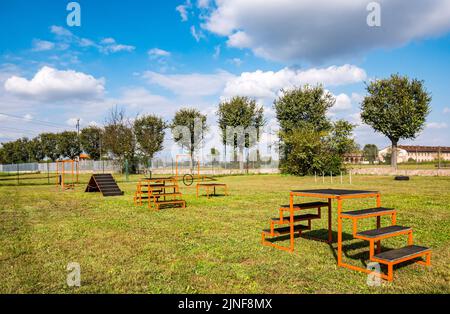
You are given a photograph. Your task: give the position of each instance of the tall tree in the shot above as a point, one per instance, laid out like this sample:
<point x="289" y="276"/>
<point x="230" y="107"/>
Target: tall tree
<point x="188" y="129"/>
<point x="90" y="140"/>
<point x="306" y="105"/>
<point x="370" y="152"/>
<point x="69" y="144"/>
<point x="118" y="137"/>
<point x="240" y="112"/>
<point x="49" y="142"/>
<point x="149" y="133"/>
<point x="396" y="107"/>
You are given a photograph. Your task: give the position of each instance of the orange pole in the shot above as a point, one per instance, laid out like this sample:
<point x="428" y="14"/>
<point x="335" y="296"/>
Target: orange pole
<point x="339" y="209"/>
<point x="291" y="211"/>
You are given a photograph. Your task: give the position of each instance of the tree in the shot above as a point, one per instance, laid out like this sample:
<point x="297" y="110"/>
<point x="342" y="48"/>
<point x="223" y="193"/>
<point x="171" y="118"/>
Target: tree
<point x="396" y="107"/>
<point x="49" y="142"/>
<point x="370" y="152"/>
<point x="240" y="112"/>
<point x="35" y="149"/>
<point x="188" y="128"/>
<point x="90" y="140"/>
<point x="118" y="137"/>
<point x="149" y="133"/>
<point x="312" y="151"/>
<point x="304" y="106"/>
<point x="68" y="144"/>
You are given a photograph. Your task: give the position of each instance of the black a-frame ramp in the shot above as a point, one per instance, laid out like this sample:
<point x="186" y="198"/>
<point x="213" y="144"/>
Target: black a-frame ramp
<point x="104" y="183"/>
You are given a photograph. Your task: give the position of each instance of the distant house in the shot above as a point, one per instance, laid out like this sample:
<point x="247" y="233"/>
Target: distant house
<point x="354" y="158"/>
<point x="417" y="153"/>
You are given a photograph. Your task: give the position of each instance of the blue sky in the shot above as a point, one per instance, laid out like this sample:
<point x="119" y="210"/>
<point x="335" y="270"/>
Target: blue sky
<point x="158" y="56"/>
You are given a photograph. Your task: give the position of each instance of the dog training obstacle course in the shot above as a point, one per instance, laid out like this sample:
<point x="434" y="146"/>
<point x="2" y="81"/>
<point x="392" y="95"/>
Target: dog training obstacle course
<point x="105" y="184"/>
<point x="374" y="236"/>
<point x="159" y="193"/>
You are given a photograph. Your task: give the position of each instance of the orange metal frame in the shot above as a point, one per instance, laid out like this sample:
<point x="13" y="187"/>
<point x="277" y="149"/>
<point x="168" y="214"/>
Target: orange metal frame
<point x="61" y="173"/>
<point x="211" y="185"/>
<point x="292" y="210"/>
<point x="341" y="216"/>
<point x="155" y="192"/>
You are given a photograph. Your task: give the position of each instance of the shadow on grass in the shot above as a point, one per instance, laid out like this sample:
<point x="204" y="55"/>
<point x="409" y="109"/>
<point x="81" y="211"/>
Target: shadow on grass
<point x="321" y="235"/>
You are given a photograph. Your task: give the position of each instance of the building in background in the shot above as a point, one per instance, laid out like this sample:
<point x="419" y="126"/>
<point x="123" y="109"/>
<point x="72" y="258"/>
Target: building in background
<point x="417" y="153"/>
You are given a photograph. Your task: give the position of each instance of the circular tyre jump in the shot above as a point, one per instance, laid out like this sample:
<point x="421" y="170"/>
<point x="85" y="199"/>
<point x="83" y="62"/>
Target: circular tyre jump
<point x="188" y="179"/>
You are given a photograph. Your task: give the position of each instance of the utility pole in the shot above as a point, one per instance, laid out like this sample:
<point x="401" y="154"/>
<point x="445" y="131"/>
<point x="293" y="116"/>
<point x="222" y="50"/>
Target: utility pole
<point x="78" y="126"/>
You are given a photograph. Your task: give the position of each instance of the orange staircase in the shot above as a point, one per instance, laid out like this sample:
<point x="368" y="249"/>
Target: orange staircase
<point x="374" y="237"/>
<point x="159" y="193"/>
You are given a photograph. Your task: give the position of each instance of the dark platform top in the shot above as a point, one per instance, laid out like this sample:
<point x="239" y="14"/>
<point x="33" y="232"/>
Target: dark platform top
<point x="211" y="184"/>
<point x="404" y="252"/>
<point x="382" y="231"/>
<point x="334" y="192"/>
<point x="369" y="211"/>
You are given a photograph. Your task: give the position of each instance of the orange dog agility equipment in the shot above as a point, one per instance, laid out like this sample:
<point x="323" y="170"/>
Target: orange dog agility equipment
<point x="374" y="237"/>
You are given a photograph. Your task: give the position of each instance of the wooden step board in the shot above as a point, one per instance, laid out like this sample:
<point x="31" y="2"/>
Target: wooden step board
<point x="370" y="212"/>
<point x="403" y="254"/>
<point x="285" y="230"/>
<point x="386" y="232"/>
<point x="104" y="183"/>
<point x="297" y="218"/>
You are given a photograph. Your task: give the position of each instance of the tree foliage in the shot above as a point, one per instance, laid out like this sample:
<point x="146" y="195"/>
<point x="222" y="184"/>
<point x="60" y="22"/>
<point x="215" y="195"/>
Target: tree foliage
<point x="240" y="112"/>
<point x="118" y="137"/>
<point x="49" y="142"/>
<point x="68" y="144"/>
<point x="370" y="152"/>
<point x="304" y="107"/>
<point x="91" y="141"/>
<point x="311" y="142"/>
<point x="194" y="122"/>
<point x="397" y="107"/>
<point x="149" y="133"/>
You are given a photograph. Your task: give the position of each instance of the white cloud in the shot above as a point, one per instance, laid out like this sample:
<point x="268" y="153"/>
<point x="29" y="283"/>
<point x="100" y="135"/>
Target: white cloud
<point x="42" y="45"/>
<point x="196" y="34"/>
<point x="320" y="29"/>
<point x="437" y="125"/>
<point x="343" y="103"/>
<point x="108" y="40"/>
<point x="106" y="45"/>
<point x="73" y="122"/>
<point x="446" y="110"/>
<point x="194" y="84"/>
<point x="202" y="4"/>
<point x="51" y="84"/>
<point x="60" y="31"/>
<point x="217" y="51"/>
<point x="157" y="52"/>
<point x="236" y="61"/>
<point x="267" y="84"/>
<point x="183" y="9"/>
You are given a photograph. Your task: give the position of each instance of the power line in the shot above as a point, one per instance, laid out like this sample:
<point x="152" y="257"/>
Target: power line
<point x="35" y="121"/>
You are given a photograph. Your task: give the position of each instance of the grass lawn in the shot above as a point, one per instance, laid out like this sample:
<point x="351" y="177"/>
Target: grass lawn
<point x="212" y="246"/>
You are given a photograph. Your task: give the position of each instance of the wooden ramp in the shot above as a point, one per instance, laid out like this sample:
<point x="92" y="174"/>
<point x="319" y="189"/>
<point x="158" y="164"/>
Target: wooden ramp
<point x="104" y="183"/>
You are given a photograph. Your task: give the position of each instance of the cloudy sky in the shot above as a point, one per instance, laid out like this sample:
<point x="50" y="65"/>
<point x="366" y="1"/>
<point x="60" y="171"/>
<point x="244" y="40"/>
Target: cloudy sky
<point x="159" y="56"/>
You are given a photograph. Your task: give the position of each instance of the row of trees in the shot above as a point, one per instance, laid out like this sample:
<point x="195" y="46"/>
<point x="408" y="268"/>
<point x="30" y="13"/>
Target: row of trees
<point x="309" y="141"/>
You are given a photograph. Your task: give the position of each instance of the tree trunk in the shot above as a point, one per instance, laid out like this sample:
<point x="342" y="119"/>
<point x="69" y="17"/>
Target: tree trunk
<point x="394" y="154"/>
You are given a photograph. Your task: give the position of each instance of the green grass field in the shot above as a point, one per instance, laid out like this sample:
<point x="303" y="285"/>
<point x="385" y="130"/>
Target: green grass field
<point x="212" y="246"/>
